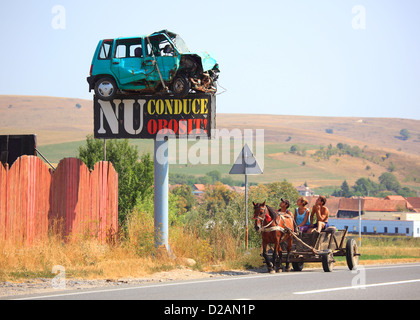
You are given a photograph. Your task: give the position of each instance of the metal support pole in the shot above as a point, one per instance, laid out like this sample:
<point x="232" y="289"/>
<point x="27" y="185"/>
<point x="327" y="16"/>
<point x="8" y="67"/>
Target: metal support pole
<point x="246" y="211"/>
<point x="161" y="198"/>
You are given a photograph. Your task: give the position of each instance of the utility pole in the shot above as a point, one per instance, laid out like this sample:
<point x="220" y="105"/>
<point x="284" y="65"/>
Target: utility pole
<point x="360" y="221"/>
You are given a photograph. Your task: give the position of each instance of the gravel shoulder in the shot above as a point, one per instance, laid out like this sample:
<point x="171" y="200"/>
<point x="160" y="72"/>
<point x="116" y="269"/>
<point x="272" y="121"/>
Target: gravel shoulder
<point x="34" y="286"/>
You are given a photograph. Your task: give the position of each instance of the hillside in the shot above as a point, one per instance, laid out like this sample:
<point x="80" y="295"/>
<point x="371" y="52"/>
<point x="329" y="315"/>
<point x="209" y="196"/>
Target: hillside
<point x="61" y="123"/>
<point x="54" y="120"/>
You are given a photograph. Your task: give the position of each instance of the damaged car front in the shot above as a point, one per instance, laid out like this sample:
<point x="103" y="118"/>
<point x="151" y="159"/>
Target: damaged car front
<point x="197" y="71"/>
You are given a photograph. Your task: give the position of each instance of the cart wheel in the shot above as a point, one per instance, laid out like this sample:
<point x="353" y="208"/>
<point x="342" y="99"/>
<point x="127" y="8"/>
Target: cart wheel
<point x="328" y="262"/>
<point x="298" y="266"/>
<point x="351" y="254"/>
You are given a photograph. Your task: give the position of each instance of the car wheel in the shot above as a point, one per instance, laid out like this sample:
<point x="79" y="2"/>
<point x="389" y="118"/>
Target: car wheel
<point x="106" y="89"/>
<point x="181" y="86"/>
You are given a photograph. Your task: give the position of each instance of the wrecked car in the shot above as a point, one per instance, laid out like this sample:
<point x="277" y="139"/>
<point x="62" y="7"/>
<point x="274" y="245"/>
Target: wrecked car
<point x="159" y="63"/>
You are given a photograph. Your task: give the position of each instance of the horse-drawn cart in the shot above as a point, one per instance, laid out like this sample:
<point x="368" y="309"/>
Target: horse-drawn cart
<point x="323" y="247"/>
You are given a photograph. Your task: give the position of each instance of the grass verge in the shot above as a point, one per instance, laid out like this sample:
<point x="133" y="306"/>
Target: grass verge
<point x="134" y="255"/>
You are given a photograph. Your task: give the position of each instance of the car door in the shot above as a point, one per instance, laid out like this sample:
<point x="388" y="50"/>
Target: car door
<point x="167" y="59"/>
<point x="127" y="62"/>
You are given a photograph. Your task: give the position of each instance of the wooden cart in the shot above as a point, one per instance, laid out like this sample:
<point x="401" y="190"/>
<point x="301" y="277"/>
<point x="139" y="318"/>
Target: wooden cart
<point x="323" y="247"/>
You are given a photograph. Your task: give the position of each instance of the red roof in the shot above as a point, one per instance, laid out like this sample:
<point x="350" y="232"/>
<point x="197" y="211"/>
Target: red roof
<point x="395" y="198"/>
<point x="375" y="205"/>
<point x="200" y="187"/>
<point x="383" y="205"/>
<point x="415" y="203"/>
<point x="347" y="204"/>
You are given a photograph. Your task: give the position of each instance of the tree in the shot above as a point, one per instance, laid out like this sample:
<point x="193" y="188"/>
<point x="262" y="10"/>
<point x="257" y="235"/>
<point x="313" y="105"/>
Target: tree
<point x="279" y="190"/>
<point x="135" y="175"/>
<point x="205" y="180"/>
<point x="92" y="152"/>
<point x="392" y="167"/>
<point x="405" y="134"/>
<point x="389" y="182"/>
<point x="294" y="148"/>
<point x="345" y="190"/>
<point x="365" y="187"/>
<point x="217" y="198"/>
<point x="215" y="176"/>
<point x="186" y="198"/>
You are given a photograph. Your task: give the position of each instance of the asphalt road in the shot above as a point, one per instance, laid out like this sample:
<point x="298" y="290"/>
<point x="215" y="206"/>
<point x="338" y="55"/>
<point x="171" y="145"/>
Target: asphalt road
<point x="392" y="282"/>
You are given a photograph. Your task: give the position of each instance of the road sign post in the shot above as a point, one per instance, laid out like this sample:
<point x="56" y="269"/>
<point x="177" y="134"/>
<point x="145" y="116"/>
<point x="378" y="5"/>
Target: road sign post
<point x="246" y="164"/>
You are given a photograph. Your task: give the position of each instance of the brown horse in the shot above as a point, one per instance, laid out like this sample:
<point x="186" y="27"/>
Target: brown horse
<point x="275" y="228"/>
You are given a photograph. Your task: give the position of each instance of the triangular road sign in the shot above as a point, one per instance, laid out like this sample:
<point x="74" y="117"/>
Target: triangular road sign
<point x="246" y="163"/>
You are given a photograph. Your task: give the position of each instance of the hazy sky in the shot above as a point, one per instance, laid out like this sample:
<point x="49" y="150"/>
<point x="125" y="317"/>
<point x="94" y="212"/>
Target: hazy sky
<point x="303" y="57"/>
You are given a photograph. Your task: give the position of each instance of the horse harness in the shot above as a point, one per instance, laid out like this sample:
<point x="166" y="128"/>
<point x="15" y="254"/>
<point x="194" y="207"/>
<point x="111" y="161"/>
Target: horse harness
<point x="267" y="228"/>
<point x="284" y="231"/>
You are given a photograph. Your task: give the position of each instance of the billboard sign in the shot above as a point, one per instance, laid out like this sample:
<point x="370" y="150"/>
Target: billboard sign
<point x="144" y="117"/>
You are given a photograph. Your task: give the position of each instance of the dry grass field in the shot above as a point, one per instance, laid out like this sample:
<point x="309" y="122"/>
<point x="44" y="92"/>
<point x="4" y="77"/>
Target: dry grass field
<point x="54" y="120"/>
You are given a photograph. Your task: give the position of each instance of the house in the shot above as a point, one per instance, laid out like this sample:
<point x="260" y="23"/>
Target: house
<point x="305" y="191"/>
<point x="395" y="198"/>
<point x="349" y="208"/>
<point x="198" y="189"/>
<point x="409" y="228"/>
<point x="392" y="215"/>
<point x="390" y="206"/>
<point x="414" y="203"/>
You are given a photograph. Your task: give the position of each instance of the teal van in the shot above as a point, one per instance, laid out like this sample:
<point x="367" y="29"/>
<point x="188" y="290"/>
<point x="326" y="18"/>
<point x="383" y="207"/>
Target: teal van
<point x="159" y="63"/>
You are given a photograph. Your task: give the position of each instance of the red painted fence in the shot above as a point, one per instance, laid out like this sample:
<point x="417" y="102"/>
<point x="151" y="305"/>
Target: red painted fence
<point x="71" y="201"/>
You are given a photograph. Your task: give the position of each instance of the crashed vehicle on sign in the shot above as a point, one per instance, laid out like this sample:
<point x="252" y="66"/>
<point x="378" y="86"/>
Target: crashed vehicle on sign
<point x="157" y="63"/>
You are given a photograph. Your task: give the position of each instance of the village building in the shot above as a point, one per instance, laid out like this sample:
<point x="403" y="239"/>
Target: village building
<point x="198" y="189"/>
<point x="305" y="191"/>
<point x="409" y="228"/>
<point x="391" y="215"/>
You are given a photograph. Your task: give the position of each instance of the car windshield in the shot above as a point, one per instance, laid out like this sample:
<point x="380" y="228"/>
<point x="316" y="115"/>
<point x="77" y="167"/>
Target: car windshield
<point x="180" y="44"/>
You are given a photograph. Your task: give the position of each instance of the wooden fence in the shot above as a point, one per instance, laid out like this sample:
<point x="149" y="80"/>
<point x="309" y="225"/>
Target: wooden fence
<point x="71" y="201"/>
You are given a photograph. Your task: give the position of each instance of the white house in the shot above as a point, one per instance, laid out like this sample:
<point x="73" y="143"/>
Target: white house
<point x="410" y="228"/>
<point x="305" y="191"/>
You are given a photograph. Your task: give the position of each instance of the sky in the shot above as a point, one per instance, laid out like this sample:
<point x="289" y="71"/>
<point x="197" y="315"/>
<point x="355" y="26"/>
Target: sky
<point x="358" y="58"/>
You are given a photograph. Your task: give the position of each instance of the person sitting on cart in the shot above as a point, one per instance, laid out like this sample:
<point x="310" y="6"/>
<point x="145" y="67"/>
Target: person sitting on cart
<point x="322" y="214"/>
<point x="284" y="207"/>
<point x="303" y="215"/>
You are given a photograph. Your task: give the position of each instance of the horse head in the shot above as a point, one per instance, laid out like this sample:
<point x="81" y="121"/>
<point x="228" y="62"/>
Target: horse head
<point x="260" y="211"/>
